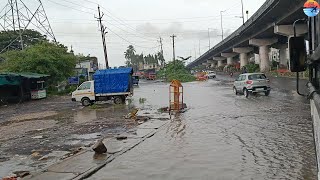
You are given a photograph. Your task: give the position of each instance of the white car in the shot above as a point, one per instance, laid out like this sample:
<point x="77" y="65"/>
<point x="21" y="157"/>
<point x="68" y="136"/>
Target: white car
<point x="252" y="83"/>
<point x="211" y="75"/>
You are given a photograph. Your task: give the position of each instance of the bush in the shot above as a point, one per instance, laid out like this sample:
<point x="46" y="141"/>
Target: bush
<point x="251" y="68"/>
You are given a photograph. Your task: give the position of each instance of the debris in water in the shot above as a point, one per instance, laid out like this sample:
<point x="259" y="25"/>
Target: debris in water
<point x="35" y="154"/>
<point x="37" y="137"/>
<point x="132" y="115"/>
<point x="21" y="174"/>
<point x="99" y="147"/>
<point x="120" y="138"/>
<point x="10" y="178"/>
<point x="164" y="109"/>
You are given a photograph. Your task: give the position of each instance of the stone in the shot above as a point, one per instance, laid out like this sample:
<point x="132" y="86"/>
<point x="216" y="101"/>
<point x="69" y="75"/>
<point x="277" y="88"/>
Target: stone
<point x="99" y="147"/>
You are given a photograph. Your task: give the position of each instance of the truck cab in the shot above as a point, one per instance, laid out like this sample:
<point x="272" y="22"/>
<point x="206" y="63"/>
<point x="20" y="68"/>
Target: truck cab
<point x="84" y="93"/>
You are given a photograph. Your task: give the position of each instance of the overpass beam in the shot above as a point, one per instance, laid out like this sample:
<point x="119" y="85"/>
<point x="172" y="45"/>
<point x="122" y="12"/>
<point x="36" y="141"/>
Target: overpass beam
<point x="287" y="30"/>
<point x="229" y="57"/>
<point x="263" y="45"/>
<point x="243" y="51"/>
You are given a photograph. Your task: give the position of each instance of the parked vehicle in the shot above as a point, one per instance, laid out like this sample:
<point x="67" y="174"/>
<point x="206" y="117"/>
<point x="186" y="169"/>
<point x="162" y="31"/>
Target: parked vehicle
<point x="108" y="84"/>
<point x="252" y="83"/>
<point x="135" y="80"/>
<point x="211" y="75"/>
<point x="151" y="76"/>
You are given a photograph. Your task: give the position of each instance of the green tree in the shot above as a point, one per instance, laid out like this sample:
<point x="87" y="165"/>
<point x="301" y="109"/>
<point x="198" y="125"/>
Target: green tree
<point x="129" y="55"/>
<point x="176" y="70"/>
<point x="45" y="58"/>
<point x="29" y="37"/>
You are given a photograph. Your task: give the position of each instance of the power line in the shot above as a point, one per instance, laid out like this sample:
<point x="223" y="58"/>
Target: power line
<point x="70" y="7"/>
<point x="129" y="41"/>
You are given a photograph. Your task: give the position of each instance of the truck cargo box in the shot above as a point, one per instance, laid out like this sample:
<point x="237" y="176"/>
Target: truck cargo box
<point x="113" y="80"/>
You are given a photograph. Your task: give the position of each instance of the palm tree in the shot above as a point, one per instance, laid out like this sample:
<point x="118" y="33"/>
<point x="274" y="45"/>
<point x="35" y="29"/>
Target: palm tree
<point x="130" y="52"/>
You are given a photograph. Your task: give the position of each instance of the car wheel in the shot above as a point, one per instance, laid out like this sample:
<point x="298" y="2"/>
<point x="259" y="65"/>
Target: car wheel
<point x="85" y="102"/>
<point x="235" y="91"/>
<point x="267" y="93"/>
<point x="118" y="100"/>
<point x="245" y="92"/>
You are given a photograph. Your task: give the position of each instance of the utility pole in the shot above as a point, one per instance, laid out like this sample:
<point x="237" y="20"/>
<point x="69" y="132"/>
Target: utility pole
<point x="103" y="36"/>
<point x="221" y="24"/>
<point x="199" y="48"/>
<point x="161" y="45"/>
<point x="174" y="53"/>
<point x="209" y="38"/>
<point x="242" y="11"/>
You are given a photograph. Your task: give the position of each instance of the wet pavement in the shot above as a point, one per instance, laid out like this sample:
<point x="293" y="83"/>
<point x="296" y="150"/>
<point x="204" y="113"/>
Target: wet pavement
<point x="223" y="136"/>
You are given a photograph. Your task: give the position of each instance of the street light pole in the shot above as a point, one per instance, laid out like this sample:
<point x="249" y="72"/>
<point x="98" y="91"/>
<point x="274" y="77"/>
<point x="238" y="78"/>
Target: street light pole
<point x="242" y="11"/>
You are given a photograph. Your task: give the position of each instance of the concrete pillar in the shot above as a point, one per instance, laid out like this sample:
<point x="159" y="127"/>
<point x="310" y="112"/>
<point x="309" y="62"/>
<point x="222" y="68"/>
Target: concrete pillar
<point x="264" y="58"/>
<point x="229" y="57"/>
<point x="219" y="60"/>
<point x="283" y="55"/>
<point x="263" y="45"/>
<point x="243" y="51"/>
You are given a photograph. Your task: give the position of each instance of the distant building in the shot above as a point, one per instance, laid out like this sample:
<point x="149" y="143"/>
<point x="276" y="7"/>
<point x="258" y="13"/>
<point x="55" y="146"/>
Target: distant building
<point x="151" y="66"/>
<point x="87" y="67"/>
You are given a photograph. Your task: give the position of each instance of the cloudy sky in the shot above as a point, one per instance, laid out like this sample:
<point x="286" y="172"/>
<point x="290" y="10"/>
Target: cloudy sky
<point x="142" y="22"/>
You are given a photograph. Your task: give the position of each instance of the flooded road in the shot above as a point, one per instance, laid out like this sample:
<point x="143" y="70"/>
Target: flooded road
<point x="222" y="136"/>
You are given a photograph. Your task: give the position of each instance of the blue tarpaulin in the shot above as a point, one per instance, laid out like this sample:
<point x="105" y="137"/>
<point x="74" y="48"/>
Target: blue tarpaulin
<point x="113" y="80"/>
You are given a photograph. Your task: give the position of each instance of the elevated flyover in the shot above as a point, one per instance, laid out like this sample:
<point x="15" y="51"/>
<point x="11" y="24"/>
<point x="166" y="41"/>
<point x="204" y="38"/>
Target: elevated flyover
<point x="269" y="27"/>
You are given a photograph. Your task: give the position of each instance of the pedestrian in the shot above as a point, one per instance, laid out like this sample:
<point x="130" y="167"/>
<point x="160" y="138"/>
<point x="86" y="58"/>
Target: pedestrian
<point x="231" y="74"/>
<point x="244" y="70"/>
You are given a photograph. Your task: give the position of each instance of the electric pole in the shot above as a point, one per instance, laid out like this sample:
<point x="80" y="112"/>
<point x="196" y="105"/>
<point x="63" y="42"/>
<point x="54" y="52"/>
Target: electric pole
<point x="174" y="53"/>
<point x="161" y="45"/>
<point x="221" y="23"/>
<point x="103" y="36"/>
<point x="209" y="38"/>
<point x="199" y="49"/>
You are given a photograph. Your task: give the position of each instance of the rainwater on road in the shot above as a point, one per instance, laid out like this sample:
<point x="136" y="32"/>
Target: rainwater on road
<point x="222" y="136"/>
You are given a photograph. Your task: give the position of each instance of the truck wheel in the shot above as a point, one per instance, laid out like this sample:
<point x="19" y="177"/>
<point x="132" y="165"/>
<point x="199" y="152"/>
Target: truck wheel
<point x="118" y="100"/>
<point x="85" y="101"/>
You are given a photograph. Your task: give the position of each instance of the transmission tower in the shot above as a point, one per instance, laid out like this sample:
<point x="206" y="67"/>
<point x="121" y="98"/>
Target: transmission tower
<point x="19" y="15"/>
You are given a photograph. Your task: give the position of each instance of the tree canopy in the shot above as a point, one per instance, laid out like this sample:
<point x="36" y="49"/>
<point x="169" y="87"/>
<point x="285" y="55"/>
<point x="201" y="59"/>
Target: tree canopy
<point x="176" y="70"/>
<point x="134" y="60"/>
<point x="30" y="37"/>
<point x="46" y="58"/>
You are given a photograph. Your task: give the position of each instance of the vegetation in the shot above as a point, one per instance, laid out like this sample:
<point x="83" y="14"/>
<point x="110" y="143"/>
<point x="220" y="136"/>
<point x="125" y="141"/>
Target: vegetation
<point x="251" y="68"/>
<point x="135" y="60"/>
<point x="45" y="58"/>
<point x="11" y="38"/>
<point x="176" y="70"/>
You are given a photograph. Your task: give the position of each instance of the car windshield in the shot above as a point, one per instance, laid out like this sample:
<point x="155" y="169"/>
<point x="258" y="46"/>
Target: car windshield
<point x="257" y="76"/>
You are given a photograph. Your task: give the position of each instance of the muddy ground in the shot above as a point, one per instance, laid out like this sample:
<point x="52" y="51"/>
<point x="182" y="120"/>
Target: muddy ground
<point x="36" y="134"/>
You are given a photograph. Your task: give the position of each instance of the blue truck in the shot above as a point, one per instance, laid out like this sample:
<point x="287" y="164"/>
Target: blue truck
<point x="115" y="84"/>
